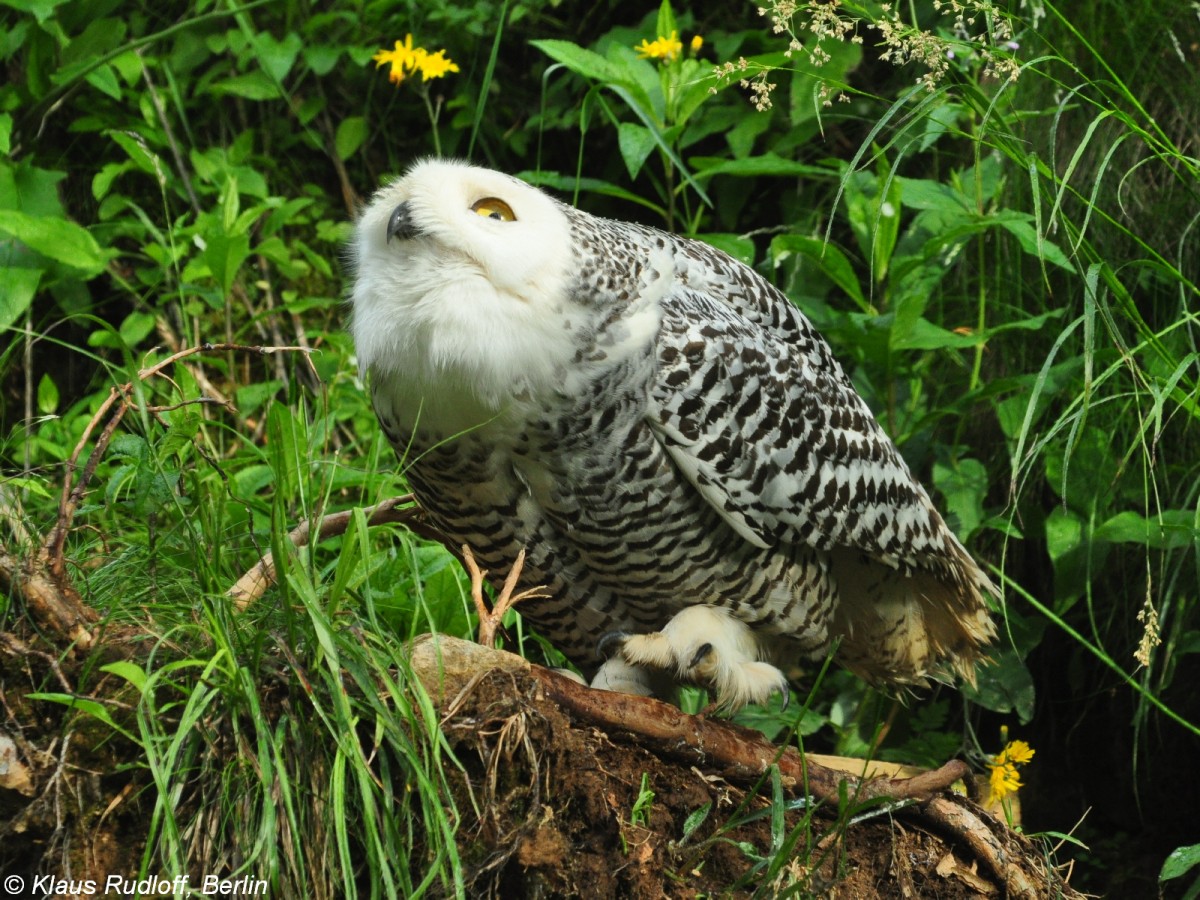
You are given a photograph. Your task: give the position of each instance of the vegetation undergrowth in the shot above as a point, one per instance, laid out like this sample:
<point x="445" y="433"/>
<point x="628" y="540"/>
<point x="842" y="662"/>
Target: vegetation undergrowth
<point x="990" y="210"/>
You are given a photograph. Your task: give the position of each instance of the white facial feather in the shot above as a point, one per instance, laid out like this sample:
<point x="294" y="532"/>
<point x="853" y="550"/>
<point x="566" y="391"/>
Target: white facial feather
<point x="467" y="304"/>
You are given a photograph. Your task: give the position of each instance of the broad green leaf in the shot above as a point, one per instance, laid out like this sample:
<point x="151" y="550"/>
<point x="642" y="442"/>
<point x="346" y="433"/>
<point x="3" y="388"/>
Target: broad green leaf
<point x="754" y="166"/>
<point x="47" y="395"/>
<point x="569" y="184"/>
<point x="831" y="261"/>
<point x="136" y="327"/>
<point x="665" y="23"/>
<point x="1033" y="243"/>
<point x="1003" y="685"/>
<point x="224" y="255"/>
<point x="41" y="9"/>
<point x="83" y="704"/>
<point x="964" y="485"/>
<point x="921" y="334"/>
<point x="141" y="155"/>
<point x="351" y="132"/>
<point x="6" y="124"/>
<point x="104" y="79"/>
<point x="278" y="57"/>
<point x="17" y="287"/>
<point x="1181" y="861"/>
<point x="1064" y="533"/>
<point x="581" y="61"/>
<point x="252" y="86"/>
<point x="1174" y="529"/>
<point x="58" y="239"/>
<point x="636" y="143"/>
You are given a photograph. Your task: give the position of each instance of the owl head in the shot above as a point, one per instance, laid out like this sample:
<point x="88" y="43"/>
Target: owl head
<point x="461" y="283"/>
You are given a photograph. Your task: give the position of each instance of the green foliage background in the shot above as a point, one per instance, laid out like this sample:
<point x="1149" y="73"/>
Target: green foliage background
<point x="1008" y="270"/>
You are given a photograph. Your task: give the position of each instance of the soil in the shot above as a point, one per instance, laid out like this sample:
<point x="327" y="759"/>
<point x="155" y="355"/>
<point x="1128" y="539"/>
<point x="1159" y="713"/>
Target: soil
<point x="550" y="806"/>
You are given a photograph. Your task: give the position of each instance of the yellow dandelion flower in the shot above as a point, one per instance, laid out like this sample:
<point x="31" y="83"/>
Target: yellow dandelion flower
<point x="697" y="43"/>
<point x="402" y="59"/>
<point x="435" y="65"/>
<point x="405" y="59"/>
<point x="1017" y="752"/>
<point x="1003" y="781"/>
<point x="664" y="48"/>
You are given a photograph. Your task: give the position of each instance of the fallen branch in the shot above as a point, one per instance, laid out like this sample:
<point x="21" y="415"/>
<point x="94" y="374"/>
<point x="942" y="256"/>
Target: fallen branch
<point x="261" y="575"/>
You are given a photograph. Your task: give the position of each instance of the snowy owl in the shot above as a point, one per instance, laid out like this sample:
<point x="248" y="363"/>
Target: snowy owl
<point x="699" y="489"/>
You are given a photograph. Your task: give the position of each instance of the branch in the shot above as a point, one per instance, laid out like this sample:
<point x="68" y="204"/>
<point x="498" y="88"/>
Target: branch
<point x="261" y="576"/>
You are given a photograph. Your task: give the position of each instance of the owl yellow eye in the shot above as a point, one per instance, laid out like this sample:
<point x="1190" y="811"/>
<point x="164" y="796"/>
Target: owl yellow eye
<point x="494" y="208"/>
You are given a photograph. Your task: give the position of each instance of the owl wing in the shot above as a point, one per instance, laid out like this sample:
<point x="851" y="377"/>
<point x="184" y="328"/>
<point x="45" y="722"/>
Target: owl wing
<point x="759" y="417"/>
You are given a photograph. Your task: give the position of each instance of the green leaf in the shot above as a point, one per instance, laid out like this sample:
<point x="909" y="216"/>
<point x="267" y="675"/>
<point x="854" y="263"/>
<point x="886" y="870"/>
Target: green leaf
<point x="41" y="9"/>
<point x="136" y="327"/>
<point x="224" y="255"/>
<point x="278" y="57"/>
<point x="58" y="239"/>
<point x="665" y="23"/>
<point x="1064" y="533"/>
<point x="6" y="124"/>
<point x="1031" y="241"/>
<point x="964" y="486"/>
<point x="829" y="259"/>
<point x="755" y="166"/>
<point x="17" y="286"/>
<point x="1004" y="685"/>
<point x="351" y="132"/>
<point x="252" y="86"/>
<point x="47" y="395"/>
<point x="921" y="334"/>
<point x="738" y="246"/>
<point x="83" y="704"/>
<point x="580" y="61"/>
<point x="636" y="143"/>
<point x="130" y="671"/>
<point x="140" y="154"/>
<point x="1181" y="861"/>
<point x="1175" y="528"/>
<point x="104" y="79"/>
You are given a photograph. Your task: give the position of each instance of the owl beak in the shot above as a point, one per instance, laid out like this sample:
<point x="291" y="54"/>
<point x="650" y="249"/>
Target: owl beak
<point x="401" y="225"/>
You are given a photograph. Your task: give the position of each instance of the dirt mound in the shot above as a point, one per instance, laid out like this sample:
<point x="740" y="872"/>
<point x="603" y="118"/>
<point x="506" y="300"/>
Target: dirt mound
<point x="566" y="808"/>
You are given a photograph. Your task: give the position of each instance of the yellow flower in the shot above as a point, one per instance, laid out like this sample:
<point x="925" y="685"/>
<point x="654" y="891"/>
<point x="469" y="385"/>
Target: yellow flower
<point x="664" y="48"/>
<point x="402" y="59"/>
<point x="697" y="43"/>
<point x="1017" y="752"/>
<point x="1004" y="780"/>
<point x="405" y="59"/>
<point x="435" y="65"/>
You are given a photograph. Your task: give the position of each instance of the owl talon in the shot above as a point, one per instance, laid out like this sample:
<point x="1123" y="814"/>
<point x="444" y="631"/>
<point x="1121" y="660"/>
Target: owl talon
<point x="605" y="646"/>
<point x="701" y="645"/>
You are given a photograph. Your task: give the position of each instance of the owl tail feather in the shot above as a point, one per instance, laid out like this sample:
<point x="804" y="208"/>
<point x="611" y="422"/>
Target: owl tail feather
<point x="906" y="629"/>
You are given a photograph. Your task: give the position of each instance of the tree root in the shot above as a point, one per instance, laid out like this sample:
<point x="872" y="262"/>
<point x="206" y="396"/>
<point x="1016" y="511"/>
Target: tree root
<point x="449" y="667"/>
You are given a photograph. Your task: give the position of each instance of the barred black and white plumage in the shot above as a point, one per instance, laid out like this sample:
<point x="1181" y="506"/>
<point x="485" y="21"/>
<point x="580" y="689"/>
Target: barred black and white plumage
<point x="661" y="430"/>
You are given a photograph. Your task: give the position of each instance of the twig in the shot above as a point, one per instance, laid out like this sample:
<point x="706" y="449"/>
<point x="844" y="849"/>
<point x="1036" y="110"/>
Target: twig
<point x="261" y="575"/>
<point x="489" y="621"/>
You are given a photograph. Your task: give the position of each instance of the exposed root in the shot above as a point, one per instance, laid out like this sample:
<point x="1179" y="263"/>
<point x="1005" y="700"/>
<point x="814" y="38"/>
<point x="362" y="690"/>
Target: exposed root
<point x="742" y="756"/>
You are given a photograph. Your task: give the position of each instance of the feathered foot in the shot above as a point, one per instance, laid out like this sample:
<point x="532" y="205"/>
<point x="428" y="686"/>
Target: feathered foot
<point x="702" y="645"/>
